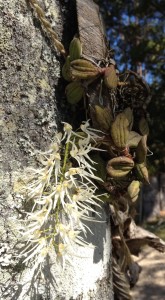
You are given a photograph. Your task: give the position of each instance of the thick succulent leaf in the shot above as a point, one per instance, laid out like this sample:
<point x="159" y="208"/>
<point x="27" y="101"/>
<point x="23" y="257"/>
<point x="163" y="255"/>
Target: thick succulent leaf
<point x="103" y="117"/>
<point x="141" y="150"/>
<point x="133" y="139"/>
<point x="142" y="172"/>
<point x="120" y="130"/>
<point x="129" y="114"/>
<point x="143" y="126"/>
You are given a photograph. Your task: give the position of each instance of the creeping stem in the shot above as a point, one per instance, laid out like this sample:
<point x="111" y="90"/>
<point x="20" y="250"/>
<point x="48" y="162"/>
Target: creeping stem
<point x="47" y="25"/>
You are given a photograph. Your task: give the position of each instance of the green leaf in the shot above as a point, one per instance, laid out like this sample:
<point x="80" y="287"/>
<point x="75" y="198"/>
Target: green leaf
<point x="133" y="139"/>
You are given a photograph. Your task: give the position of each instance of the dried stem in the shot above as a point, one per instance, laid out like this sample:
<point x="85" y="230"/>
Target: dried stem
<point x="47" y="26"/>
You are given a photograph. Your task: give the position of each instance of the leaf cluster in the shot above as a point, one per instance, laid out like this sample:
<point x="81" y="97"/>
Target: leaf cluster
<point x="135" y="30"/>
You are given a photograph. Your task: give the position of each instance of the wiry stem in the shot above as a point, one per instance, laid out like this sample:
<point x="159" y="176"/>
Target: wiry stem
<point x="65" y="161"/>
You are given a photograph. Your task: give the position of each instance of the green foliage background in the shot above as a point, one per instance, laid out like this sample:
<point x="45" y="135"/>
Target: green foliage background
<point x="136" y="31"/>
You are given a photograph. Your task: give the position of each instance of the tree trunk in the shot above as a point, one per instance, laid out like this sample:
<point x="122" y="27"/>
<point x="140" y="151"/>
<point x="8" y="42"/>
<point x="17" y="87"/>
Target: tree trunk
<point x="33" y="105"/>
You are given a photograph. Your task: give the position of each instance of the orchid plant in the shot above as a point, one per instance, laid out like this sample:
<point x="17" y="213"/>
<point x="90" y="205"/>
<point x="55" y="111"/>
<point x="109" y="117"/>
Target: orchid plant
<point x="63" y="194"/>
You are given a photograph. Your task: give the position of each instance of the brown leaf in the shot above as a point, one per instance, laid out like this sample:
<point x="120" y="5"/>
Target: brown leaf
<point x="131" y="268"/>
<point x="120" y="283"/>
<point x="133" y="273"/>
<point x="139" y="237"/>
<point x="123" y="217"/>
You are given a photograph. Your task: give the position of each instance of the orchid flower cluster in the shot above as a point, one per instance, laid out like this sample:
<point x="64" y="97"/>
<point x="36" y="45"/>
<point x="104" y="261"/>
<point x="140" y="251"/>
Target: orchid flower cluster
<point x="63" y="194"/>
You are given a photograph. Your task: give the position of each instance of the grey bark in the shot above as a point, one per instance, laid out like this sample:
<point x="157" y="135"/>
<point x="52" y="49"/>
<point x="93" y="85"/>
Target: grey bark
<point x="31" y="107"/>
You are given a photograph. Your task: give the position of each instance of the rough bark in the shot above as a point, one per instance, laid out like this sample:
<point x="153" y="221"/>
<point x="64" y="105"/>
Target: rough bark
<point x="32" y="106"/>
